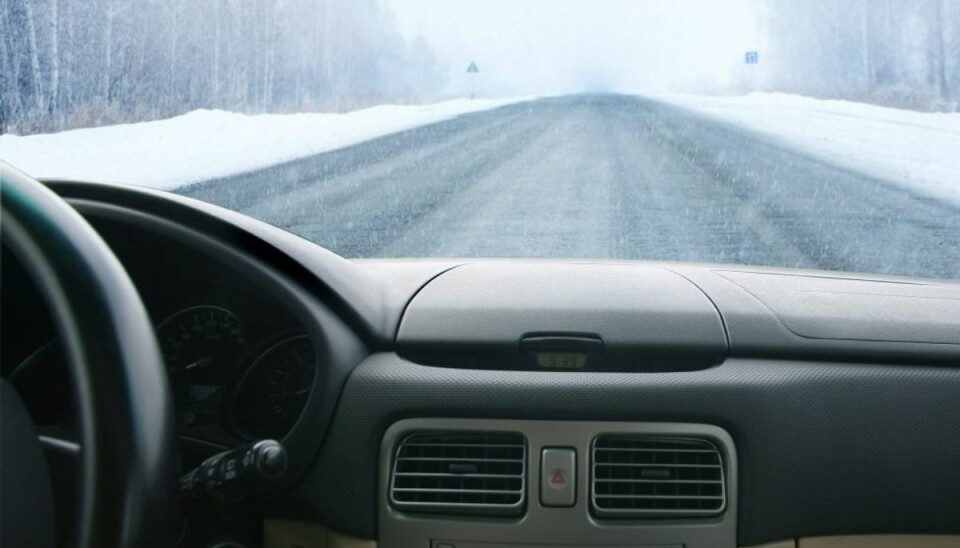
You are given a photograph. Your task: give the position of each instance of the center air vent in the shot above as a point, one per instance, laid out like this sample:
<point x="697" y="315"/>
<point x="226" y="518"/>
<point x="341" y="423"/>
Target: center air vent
<point x="461" y="473"/>
<point x="642" y="476"/>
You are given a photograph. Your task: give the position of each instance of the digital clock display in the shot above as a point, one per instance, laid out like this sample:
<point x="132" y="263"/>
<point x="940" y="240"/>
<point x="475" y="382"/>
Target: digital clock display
<point x="561" y="360"/>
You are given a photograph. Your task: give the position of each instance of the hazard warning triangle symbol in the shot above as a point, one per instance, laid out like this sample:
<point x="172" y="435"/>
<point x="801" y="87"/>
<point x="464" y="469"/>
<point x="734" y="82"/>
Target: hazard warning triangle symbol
<point x="473" y="67"/>
<point x="558" y="478"/>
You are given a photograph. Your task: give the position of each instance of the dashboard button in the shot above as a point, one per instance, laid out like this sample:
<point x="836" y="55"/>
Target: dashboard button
<point x="558" y="476"/>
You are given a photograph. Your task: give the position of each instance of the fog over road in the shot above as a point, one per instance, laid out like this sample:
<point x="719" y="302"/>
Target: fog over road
<point x="597" y="176"/>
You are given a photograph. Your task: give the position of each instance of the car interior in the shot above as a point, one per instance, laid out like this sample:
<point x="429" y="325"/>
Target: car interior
<point x="178" y="374"/>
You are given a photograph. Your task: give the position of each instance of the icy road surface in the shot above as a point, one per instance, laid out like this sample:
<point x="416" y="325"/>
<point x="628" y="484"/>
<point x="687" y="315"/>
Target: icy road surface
<point x="204" y="144"/>
<point x="606" y="177"/>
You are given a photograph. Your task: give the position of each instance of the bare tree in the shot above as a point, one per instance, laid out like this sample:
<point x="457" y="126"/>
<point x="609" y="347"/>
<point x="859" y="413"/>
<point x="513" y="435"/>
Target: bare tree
<point x="35" y="77"/>
<point x="215" y="66"/>
<point x="110" y="14"/>
<point x="10" y="99"/>
<point x="865" y="52"/>
<point x="68" y="61"/>
<point x="54" y="38"/>
<point x="940" y="49"/>
<point x="65" y="63"/>
<point x="890" y="51"/>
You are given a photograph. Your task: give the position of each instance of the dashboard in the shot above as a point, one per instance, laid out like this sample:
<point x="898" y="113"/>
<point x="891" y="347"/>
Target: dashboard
<point x="811" y="403"/>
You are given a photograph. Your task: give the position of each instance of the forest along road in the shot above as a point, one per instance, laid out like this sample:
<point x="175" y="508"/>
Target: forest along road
<point x="606" y="177"/>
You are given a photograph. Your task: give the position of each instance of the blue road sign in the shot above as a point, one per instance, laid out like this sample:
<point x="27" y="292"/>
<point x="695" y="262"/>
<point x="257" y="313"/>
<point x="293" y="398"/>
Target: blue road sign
<point x="752" y="58"/>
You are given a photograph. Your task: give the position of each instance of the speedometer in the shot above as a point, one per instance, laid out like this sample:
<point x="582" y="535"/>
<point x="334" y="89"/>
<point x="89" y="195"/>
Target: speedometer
<point x="275" y="390"/>
<point x="200" y="346"/>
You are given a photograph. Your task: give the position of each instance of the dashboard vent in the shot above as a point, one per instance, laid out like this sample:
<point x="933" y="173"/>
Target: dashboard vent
<point x="643" y="476"/>
<point x="460" y="473"/>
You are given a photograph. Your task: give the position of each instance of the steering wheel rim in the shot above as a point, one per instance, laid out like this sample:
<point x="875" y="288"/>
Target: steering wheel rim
<point x="128" y="461"/>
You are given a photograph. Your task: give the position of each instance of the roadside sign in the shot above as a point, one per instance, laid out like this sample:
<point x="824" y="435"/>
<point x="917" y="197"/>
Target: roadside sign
<point x="752" y="58"/>
<point x="473" y="67"/>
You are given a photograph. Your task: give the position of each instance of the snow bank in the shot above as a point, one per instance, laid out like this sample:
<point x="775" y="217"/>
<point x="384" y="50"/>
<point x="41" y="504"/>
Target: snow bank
<point x="918" y="150"/>
<point x="205" y="144"/>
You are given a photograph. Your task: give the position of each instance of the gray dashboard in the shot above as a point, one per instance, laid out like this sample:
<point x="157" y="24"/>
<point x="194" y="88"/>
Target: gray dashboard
<point x="571" y="524"/>
<point x="839" y="392"/>
<point x="626" y="306"/>
<point x="823" y="447"/>
<point x="719" y="311"/>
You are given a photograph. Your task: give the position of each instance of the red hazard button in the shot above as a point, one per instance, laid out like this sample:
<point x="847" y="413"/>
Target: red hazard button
<point x="558" y="476"/>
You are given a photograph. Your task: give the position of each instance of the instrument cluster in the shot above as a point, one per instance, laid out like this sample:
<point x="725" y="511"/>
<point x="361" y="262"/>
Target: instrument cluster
<point x="226" y="382"/>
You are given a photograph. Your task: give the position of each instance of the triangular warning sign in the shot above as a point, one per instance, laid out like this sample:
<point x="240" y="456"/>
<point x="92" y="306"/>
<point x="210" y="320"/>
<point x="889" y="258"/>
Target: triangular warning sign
<point x="473" y="67"/>
<point x="558" y="478"/>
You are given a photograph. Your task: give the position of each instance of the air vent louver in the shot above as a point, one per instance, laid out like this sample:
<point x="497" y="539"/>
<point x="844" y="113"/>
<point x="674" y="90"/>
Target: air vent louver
<point x="462" y="473"/>
<point x="636" y="476"/>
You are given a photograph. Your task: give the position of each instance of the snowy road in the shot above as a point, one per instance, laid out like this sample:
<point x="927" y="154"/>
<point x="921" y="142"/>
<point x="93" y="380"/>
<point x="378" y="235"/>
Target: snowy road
<point x="607" y="177"/>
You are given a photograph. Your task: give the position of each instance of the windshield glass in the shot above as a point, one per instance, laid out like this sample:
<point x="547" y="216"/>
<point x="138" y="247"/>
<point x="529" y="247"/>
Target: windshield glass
<point x="818" y="134"/>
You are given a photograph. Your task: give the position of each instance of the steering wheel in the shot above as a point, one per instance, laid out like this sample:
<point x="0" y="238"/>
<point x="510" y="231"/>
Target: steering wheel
<point x="127" y="490"/>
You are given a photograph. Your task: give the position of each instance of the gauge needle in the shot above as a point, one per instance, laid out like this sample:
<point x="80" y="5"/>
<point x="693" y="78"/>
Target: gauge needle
<point x="290" y="395"/>
<point x="202" y="362"/>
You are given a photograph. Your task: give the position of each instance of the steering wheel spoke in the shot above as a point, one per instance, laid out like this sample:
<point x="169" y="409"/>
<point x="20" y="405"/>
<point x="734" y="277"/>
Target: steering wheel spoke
<point x="60" y="445"/>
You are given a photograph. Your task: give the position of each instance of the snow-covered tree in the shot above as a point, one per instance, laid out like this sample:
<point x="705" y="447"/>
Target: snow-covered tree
<point x="899" y="52"/>
<point x="70" y="63"/>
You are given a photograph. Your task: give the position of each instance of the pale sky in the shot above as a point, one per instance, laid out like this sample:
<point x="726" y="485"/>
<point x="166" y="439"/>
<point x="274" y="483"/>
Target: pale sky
<point x="555" y="46"/>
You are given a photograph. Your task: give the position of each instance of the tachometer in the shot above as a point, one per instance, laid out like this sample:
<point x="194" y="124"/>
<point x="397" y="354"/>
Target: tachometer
<point x="200" y="346"/>
<point x="275" y="390"/>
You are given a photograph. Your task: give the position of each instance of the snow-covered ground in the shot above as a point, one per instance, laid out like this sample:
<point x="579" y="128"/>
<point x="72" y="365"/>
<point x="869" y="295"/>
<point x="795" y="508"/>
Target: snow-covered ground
<point x="206" y="144"/>
<point x="917" y="150"/>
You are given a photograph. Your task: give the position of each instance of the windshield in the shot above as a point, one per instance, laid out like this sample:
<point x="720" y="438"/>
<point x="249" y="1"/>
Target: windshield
<point x="819" y="134"/>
